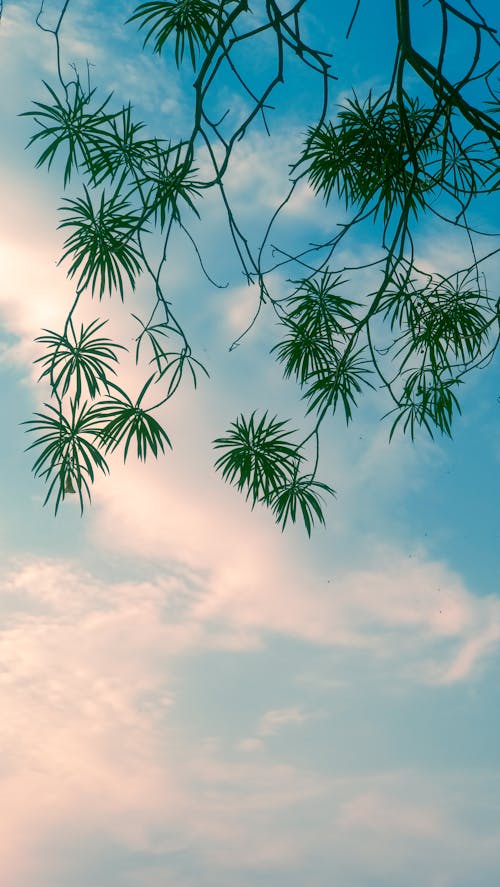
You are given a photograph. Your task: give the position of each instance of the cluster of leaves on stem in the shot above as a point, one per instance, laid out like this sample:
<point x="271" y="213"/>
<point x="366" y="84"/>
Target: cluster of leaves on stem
<point x="263" y="459"/>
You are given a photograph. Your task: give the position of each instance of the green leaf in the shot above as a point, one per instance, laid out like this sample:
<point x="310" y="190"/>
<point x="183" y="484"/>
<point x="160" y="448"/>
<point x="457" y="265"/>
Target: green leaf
<point x="453" y="318"/>
<point x="119" y="149"/>
<point x="427" y="400"/>
<point x="317" y="319"/>
<point x="342" y="380"/>
<point x="317" y="306"/>
<point x="167" y="180"/>
<point x="304" y="354"/>
<point x="378" y="150"/>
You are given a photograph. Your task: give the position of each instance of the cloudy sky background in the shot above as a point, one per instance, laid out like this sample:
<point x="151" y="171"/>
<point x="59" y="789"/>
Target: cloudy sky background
<point x="189" y="697"/>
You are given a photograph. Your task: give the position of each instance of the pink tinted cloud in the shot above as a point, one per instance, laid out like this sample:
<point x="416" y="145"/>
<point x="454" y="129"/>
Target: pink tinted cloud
<point x="87" y="676"/>
<point x="377" y="812"/>
<point x="81" y="749"/>
<point x="276" y="719"/>
<point x="90" y="745"/>
<point x="254" y="581"/>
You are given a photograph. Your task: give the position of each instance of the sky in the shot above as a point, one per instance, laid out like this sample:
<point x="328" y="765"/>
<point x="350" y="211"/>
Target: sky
<point x="190" y="697"/>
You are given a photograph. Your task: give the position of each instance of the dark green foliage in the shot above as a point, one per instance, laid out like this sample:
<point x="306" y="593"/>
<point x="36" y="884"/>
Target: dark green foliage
<point x="70" y="124"/>
<point x="300" y="495"/>
<point x="427" y="399"/>
<point x="318" y="307"/>
<point x="190" y="21"/>
<point x="102" y="244"/>
<point x="170" y="364"/>
<point x="341" y="380"/>
<point x="450" y="320"/>
<point x="263" y="459"/>
<point x="124" y="420"/>
<point x="419" y="151"/>
<point x="319" y="321"/>
<point x="445" y="326"/>
<point x="74" y="359"/>
<point x="166" y="179"/>
<point x="260" y="456"/>
<point x="378" y="150"/>
<point x="119" y="150"/>
<point x="69" y="453"/>
<point x="304" y="353"/>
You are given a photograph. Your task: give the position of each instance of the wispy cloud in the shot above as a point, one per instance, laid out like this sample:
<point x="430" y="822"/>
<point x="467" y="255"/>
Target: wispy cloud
<point x="94" y="757"/>
<point x="272" y="722"/>
<point x="406" y="609"/>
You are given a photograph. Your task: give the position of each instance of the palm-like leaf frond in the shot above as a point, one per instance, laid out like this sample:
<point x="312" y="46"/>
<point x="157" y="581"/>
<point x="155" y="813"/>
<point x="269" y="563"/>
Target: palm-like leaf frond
<point x="69" y="454"/>
<point x="69" y="123"/>
<point x="260" y="456"/>
<point x="168" y="182"/>
<point x="191" y="21"/>
<point x="301" y="494"/>
<point x="342" y="381"/>
<point x="84" y="358"/>
<point x="124" y="420"/>
<point x="376" y="151"/>
<point x="102" y="246"/>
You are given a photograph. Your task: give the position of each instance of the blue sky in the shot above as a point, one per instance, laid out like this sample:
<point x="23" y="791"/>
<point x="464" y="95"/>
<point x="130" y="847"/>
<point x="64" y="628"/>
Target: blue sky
<point x="189" y="697"/>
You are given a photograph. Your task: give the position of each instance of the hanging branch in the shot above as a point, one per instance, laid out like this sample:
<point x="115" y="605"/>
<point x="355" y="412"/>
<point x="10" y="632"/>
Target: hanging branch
<point x="391" y="160"/>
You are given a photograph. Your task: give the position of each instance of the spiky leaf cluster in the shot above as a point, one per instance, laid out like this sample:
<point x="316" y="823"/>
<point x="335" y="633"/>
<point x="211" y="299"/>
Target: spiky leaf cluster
<point x="314" y="323"/>
<point x="74" y="438"/>
<point x="125" y="420"/>
<point x="262" y="459"/>
<point x="102" y="245"/>
<point x="166" y="179"/>
<point x="71" y="124"/>
<point x="70" y="452"/>
<point x="377" y="151"/>
<point x="190" y="22"/>
<point x="83" y="359"/>
<point x="445" y="326"/>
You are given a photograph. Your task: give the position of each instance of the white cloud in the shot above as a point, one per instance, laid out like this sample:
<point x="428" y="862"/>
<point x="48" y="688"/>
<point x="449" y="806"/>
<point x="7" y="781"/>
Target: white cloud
<point x="406" y="610"/>
<point x="90" y="740"/>
<point x="87" y="675"/>
<point x="272" y="722"/>
<point x="373" y="811"/>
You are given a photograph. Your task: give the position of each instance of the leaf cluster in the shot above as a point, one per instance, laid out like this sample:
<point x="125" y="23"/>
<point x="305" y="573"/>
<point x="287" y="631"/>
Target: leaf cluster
<point x="315" y="320"/>
<point x="166" y="178"/>
<point x="70" y="451"/>
<point x="378" y="150"/>
<point x="191" y="22"/>
<point x="69" y="123"/>
<point x="102" y="246"/>
<point x="445" y="325"/>
<point x="428" y="399"/>
<point x="74" y="442"/>
<point x="124" y="420"/>
<point x="78" y="359"/>
<point x="262" y="459"/>
<point x="317" y="349"/>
